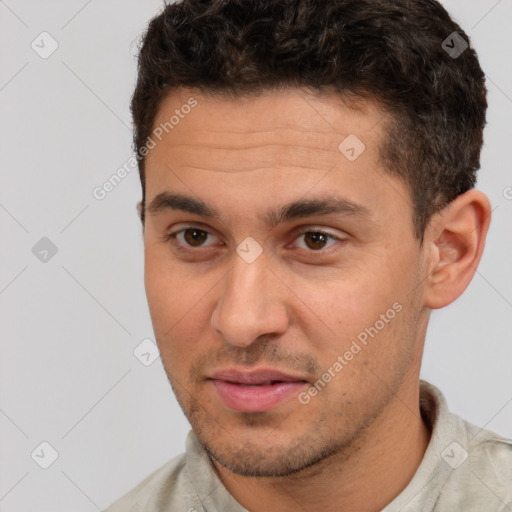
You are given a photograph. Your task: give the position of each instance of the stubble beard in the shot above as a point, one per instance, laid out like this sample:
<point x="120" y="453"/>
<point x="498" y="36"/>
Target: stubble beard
<point x="304" y="455"/>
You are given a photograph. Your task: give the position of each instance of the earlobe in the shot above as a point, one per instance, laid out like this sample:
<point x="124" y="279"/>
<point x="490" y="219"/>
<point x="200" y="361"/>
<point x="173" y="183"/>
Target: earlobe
<point x="456" y="240"/>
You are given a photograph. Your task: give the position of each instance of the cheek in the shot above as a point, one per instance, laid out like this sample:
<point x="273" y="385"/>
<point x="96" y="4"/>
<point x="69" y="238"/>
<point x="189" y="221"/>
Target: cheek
<point x="167" y="294"/>
<point x="366" y="303"/>
<point x="348" y="305"/>
<point x="162" y="289"/>
<point x="178" y="307"/>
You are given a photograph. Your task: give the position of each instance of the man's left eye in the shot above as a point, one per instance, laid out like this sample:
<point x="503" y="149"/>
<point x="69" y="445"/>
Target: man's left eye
<point x="316" y="240"/>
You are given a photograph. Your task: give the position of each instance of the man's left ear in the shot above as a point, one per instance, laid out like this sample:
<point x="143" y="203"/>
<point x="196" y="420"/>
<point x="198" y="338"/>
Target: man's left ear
<point x="455" y="241"/>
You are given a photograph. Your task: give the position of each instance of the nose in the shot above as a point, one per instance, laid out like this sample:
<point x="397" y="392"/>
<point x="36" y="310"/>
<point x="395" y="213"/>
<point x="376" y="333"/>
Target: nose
<point x="252" y="303"/>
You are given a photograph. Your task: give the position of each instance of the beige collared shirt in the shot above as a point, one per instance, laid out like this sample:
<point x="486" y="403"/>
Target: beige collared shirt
<point x="465" y="469"/>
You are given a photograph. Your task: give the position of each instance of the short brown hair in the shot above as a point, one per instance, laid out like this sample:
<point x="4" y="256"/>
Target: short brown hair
<point x="390" y="51"/>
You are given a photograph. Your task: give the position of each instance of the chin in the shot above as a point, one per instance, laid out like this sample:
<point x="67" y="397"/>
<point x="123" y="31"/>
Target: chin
<point x="265" y="455"/>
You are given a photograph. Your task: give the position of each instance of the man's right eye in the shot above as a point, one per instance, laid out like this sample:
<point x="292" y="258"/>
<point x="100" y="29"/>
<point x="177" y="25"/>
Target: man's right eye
<point x="188" y="237"/>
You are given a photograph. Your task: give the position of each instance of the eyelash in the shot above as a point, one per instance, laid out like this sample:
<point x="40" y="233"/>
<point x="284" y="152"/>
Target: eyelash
<point x="174" y="234"/>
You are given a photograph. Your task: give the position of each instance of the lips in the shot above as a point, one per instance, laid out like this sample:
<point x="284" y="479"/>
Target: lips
<point x="258" y="377"/>
<point x="256" y="391"/>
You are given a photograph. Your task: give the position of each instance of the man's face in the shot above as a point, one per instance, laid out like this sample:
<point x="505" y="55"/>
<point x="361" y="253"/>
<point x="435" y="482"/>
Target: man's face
<point x="250" y="310"/>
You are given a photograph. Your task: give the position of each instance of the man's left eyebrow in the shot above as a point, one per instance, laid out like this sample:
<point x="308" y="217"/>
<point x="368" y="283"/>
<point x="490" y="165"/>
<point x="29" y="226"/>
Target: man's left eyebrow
<point x="316" y="206"/>
<point x="301" y="208"/>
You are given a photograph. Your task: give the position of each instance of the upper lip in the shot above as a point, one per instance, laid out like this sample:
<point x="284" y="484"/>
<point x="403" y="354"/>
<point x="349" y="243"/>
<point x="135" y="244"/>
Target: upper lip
<point x="261" y="376"/>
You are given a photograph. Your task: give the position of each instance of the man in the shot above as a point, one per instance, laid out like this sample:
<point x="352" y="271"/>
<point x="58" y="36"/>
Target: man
<point x="308" y="174"/>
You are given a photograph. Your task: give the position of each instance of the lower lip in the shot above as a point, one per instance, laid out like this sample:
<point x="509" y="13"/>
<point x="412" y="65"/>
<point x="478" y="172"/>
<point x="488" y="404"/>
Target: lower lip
<point x="255" y="398"/>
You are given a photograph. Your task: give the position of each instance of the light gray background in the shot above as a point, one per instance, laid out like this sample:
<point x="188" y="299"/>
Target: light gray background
<point x="69" y="326"/>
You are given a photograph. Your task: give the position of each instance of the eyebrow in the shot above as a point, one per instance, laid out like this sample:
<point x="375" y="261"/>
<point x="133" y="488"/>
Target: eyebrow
<point x="297" y="209"/>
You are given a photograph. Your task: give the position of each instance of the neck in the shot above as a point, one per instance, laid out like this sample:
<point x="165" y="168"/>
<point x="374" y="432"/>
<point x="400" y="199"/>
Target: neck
<point x="367" y="477"/>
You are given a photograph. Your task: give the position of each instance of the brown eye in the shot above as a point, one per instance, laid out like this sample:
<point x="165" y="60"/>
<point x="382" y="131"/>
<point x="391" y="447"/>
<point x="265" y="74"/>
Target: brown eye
<point x="316" y="241"/>
<point x="191" y="237"/>
<point x="194" y="237"/>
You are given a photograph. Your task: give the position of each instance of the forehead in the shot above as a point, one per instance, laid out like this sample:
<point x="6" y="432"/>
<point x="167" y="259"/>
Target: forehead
<point x="311" y="109"/>
<point x="274" y="129"/>
<point x="318" y="118"/>
<point x="250" y="152"/>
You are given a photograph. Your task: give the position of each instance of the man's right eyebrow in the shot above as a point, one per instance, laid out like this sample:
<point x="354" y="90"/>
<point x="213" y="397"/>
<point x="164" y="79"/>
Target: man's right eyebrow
<point x="169" y="201"/>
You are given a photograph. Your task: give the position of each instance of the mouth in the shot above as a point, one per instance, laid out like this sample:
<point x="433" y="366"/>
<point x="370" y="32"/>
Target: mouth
<point x="255" y="391"/>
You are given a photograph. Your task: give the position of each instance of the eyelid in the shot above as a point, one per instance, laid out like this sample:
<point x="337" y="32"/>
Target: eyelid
<point x="315" y="229"/>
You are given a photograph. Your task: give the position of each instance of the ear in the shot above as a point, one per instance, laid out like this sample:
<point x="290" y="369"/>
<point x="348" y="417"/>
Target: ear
<point x="140" y="211"/>
<point x="455" y="241"/>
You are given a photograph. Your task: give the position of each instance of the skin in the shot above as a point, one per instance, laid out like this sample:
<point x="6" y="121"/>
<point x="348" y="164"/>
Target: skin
<point x="356" y="445"/>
